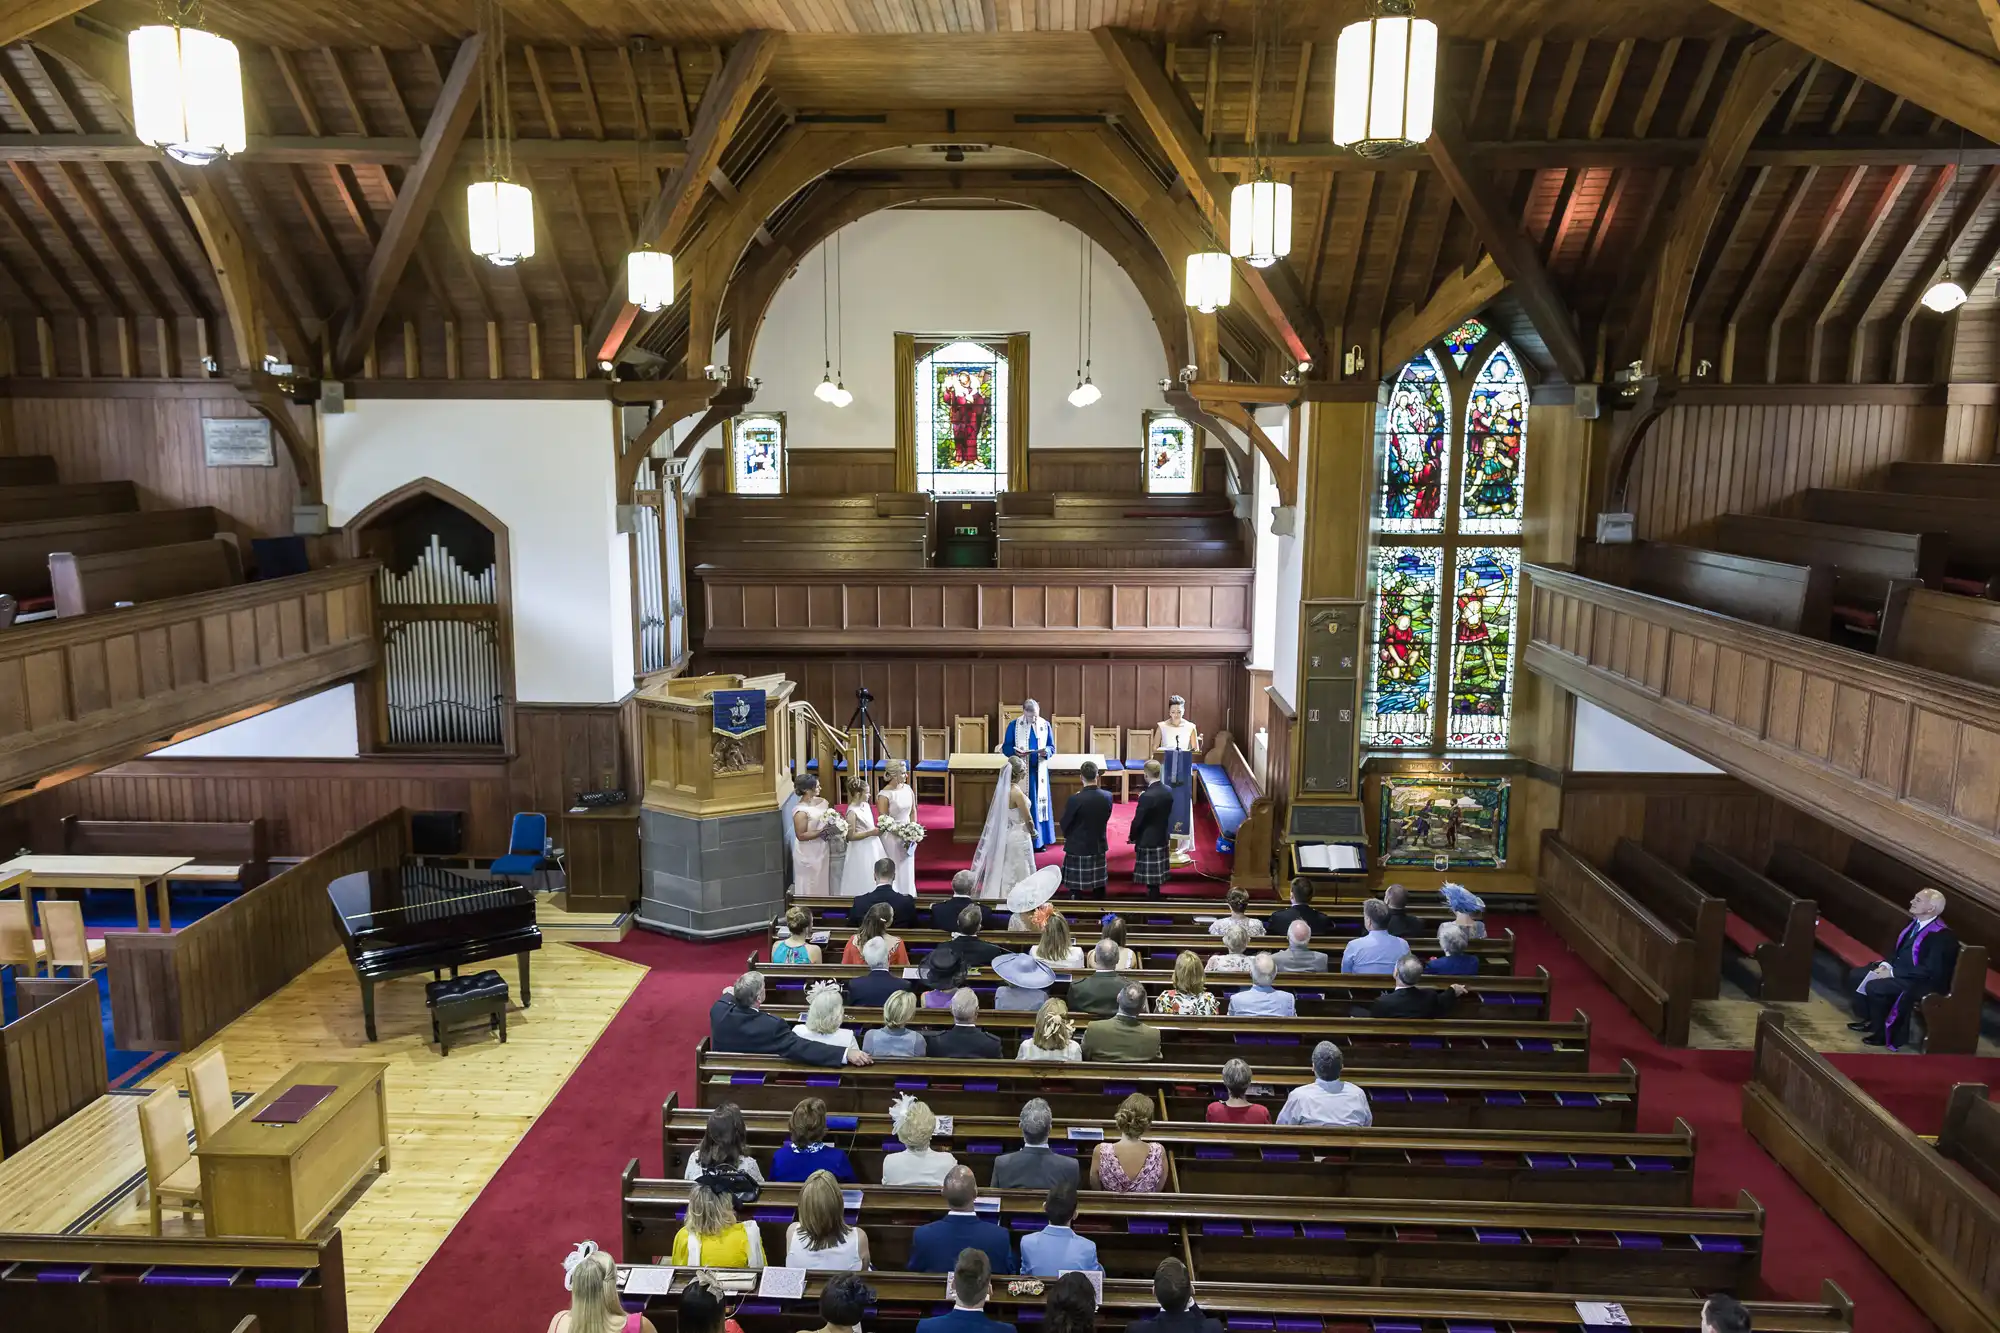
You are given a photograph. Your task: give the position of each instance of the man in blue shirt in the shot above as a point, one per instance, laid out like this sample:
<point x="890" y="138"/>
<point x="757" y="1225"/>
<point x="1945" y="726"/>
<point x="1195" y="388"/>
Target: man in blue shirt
<point x="1263" y="999"/>
<point x="1377" y="952"/>
<point x="935" y="1246"/>
<point x="971" y="1283"/>
<point x="1056" y="1249"/>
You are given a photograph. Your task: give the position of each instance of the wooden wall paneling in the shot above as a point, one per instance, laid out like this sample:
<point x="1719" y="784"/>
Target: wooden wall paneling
<point x="51" y="1064"/>
<point x="1278" y="764"/>
<point x="561" y="750"/>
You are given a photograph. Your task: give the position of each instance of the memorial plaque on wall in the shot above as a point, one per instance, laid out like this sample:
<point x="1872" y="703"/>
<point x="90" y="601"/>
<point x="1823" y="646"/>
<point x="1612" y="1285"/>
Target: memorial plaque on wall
<point x="237" y="442"/>
<point x="1330" y="696"/>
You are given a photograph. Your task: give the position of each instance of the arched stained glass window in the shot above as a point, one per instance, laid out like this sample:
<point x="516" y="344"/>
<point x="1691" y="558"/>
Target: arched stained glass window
<point x="961" y="418"/>
<point x="1170" y="455"/>
<point x="1443" y="612"/>
<point x="757" y="454"/>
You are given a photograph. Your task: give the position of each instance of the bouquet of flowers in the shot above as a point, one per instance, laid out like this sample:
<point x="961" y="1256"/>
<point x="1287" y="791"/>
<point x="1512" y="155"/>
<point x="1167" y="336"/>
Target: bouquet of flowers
<point x="907" y="831"/>
<point x="833" y="827"/>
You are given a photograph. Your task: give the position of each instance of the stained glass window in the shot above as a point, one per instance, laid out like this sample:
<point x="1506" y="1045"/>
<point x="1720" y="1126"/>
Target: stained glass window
<point x="1413" y="451"/>
<point x="1402" y="680"/>
<point x="961" y="419"/>
<point x="1496" y="428"/>
<point x="757" y="454"/>
<point x="1482" y="647"/>
<point x="1461" y="341"/>
<point x="1170" y="455"/>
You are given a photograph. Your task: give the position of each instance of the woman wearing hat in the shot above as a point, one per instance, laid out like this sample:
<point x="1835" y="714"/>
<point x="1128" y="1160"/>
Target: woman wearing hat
<point x="1027" y="980"/>
<point x="1031" y="902"/>
<point x="944" y="971"/>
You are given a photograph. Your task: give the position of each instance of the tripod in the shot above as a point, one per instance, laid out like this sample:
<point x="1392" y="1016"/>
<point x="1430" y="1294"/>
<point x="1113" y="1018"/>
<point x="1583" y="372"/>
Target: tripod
<point x="874" y="746"/>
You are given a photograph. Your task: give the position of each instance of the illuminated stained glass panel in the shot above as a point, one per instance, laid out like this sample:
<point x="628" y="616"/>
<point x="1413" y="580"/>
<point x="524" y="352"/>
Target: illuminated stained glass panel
<point x="1461" y="340"/>
<point x="1402" y="681"/>
<point x="961" y="416"/>
<point x="757" y="452"/>
<point x="1496" y="432"/>
<point x="1484" y="597"/>
<point x="1170" y="455"/>
<point x="1416" y="428"/>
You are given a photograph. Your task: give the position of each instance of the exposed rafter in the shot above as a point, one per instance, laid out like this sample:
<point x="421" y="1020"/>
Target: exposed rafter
<point x="22" y="18"/>
<point x="1462" y="295"/>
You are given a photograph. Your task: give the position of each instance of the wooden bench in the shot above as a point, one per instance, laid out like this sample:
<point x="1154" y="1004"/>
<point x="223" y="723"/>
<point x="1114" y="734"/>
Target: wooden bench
<point x="1385" y="1242"/>
<point x="1867" y="562"/>
<point x="1943" y="632"/>
<point x="1981" y="481"/>
<point x="242" y="847"/>
<point x="1888" y="878"/>
<point x="25" y="547"/>
<point x="1932" y="1227"/>
<point x="86" y="583"/>
<point x="1118" y="543"/>
<point x="1679" y="902"/>
<point x="1319" y="1162"/>
<point x="23" y="504"/>
<point x="1646" y="962"/>
<point x="1110" y="504"/>
<point x="1781" y="925"/>
<point x="863" y="504"/>
<point x="1797" y="599"/>
<point x="1408" y="1098"/>
<point x="28" y="470"/>
<point x="105" y="1282"/>
<point x="52" y="1064"/>
<point x="1970" y="526"/>
<point x="1970" y="1135"/>
<point x="1150" y="914"/>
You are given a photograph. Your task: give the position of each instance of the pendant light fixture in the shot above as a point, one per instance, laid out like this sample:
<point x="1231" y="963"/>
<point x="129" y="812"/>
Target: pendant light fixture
<point x="187" y="88"/>
<point x="832" y="388"/>
<point x="1945" y="295"/>
<point x="1385" y="80"/>
<point x="1208" y="280"/>
<point x="499" y="213"/>
<point x="1085" y="393"/>
<point x="1260" y="210"/>
<point x="841" y="397"/>
<point x="649" y="273"/>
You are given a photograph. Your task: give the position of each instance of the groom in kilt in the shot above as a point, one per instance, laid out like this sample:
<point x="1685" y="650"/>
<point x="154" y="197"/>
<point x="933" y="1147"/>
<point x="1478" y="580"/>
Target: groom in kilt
<point x="1152" y="817"/>
<point x="1084" y="847"/>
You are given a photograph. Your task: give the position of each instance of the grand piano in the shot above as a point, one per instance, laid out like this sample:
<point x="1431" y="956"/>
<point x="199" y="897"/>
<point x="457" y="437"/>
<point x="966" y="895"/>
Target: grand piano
<point x="412" y="919"/>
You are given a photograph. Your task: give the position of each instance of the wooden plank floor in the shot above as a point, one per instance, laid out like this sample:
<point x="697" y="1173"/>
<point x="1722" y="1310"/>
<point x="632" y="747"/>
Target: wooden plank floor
<point x="56" y="1180"/>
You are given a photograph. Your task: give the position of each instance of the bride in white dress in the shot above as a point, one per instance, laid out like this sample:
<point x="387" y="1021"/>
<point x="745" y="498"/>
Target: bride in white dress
<point x="864" y="845"/>
<point x="898" y="800"/>
<point x="1006" y="852"/>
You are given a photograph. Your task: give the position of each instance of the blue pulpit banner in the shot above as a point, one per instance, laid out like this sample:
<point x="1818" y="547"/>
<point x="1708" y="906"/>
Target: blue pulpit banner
<point x="1177" y="771"/>
<point x="738" y="712"/>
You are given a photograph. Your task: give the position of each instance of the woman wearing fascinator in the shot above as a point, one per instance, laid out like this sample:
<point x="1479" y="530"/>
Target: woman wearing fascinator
<point x="1466" y="907"/>
<point x="592" y="1281"/>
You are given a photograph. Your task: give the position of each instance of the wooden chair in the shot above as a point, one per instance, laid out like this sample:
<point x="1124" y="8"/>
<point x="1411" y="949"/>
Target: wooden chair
<point x="1117" y="779"/>
<point x="969" y="735"/>
<point x="173" y="1176"/>
<point x="1138" y="747"/>
<point x="933" y="754"/>
<point x="17" y="939"/>
<point x="62" y="928"/>
<point x="208" y="1093"/>
<point x="1008" y="712"/>
<point x="1071" y="736"/>
<point x="897" y="739"/>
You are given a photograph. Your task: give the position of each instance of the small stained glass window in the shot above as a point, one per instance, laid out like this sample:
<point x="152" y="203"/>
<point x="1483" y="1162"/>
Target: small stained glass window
<point x="1482" y="647"/>
<point x="1461" y="341"/>
<point x="1496" y="427"/>
<point x="961" y="417"/>
<point x="1170" y="455"/>
<point x="1417" y="429"/>
<point x="757" y="454"/>
<point x="1402" y="681"/>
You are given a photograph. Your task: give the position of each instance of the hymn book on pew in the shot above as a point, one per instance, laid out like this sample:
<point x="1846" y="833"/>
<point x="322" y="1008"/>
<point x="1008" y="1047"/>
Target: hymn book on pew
<point x="647" y="1280"/>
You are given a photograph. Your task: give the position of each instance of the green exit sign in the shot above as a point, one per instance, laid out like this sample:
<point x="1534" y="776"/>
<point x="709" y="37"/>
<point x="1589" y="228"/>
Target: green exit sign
<point x="965" y="532"/>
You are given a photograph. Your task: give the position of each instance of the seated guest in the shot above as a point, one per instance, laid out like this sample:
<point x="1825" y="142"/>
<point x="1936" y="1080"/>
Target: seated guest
<point x="1113" y="928"/>
<point x="1178" y="1312"/>
<point x="1097" y="994"/>
<point x="1397" y="899"/>
<point x="963" y="1040"/>
<point x="902" y="907"/>
<point x="795" y="947"/>
<point x="1130" y="1165"/>
<point x="1054" y="1038"/>
<point x="821" y="1239"/>
<point x="873" y="924"/>
<point x="975" y="951"/>
<point x="1409" y="1000"/>
<point x="1724" y="1314"/>
<point x="1377" y="952"/>
<point x="944" y="971"/>
<point x="1027" y="980"/>
<point x="1466" y="909"/>
<point x="1297" y="956"/>
<point x="1031" y="903"/>
<point x="945" y="915"/>
<point x="1189" y="995"/>
<point x="896" y="1039"/>
<point x="872" y="989"/>
<point x="935" y="1246"/>
<point x="1125" y="1036"/>
<point x="1239" y="901"/>
<point x="737" y="1026"/>
<point x="842" y="1301"/>
<point x="1055" y="948"/>
<point x="1921" y="964"/>
<point x="807" y="1150"/>
<point x="1262" y="998"/>
<point x="1236" y="1108"/>
<point x="917" y="1164"/>
<point x="824" y="1016"/>
<point x="1301" y="909"/>
<point x="1056" y="1248"/>
<point x="704" y="1307"/>
<point x="1454" y="961"/>
<point x="713" y="1238"/>
<point x="1036" y="1166"/>
<point x="721" y="1146"/>
<point x="1328" y="1099"/>
<point x="1071" y="1303"/>
<point x="971" y="1283"/>
<point x="592" y="1278"/>
<point x="1233" y="958"/>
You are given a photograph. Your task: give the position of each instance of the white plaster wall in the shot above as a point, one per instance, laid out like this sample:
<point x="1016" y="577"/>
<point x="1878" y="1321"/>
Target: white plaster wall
<point x="1291" y="557"/>
<point x="319" y="726"/>
<point x="546" y="470"/>
<point x="960" y="271"/>
<point x="1606" y="743"/>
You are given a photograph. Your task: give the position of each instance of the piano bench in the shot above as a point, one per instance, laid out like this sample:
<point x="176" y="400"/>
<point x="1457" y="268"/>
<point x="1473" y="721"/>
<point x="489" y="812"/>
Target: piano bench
<point x="464" y="1000"/>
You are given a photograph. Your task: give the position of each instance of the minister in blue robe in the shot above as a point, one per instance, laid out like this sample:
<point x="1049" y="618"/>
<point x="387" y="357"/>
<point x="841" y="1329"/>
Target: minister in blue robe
<point x="1029" y="736"/>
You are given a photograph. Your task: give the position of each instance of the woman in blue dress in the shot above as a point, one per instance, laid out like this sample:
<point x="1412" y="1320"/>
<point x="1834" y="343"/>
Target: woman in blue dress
<point x="807" y="1150"/>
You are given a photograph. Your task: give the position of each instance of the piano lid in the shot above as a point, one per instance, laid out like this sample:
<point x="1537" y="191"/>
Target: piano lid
<point x="418" y="900"/>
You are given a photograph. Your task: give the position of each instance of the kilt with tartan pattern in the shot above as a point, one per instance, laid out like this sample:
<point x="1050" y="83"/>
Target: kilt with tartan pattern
<point x="1149" y="866"/>
<point x="1084" y="872"/>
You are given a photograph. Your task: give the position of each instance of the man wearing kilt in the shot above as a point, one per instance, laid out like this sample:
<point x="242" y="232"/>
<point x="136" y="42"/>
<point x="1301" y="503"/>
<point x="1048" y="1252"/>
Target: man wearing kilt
<point x="1152" y="818"/>
<point x="1084" y="847"/>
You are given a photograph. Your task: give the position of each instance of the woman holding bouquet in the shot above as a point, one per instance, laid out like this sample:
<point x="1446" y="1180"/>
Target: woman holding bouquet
<point x="815" y="825"/>
<point x="897" y="802"/>
<point x="864" y="844"/>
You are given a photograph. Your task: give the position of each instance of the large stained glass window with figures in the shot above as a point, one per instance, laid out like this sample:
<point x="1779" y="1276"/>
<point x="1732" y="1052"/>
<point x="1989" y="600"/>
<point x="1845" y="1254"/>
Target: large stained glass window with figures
<point x="1447" y="535"/>
<point x="1171" y="456"/>
<point x="757" y="454"/>
<point x="961" y="418"/>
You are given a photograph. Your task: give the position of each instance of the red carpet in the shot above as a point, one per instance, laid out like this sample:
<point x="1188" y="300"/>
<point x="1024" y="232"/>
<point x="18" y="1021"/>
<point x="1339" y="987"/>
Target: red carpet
<point x="501" y="1266"/>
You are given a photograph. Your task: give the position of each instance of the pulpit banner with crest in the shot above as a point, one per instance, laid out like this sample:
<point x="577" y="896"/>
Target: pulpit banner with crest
<point x="738" y="712"/>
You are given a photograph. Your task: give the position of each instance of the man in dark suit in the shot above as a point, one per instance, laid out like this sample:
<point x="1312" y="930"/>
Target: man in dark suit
<point x="902" y="907"/>
<point x="1921" y="964"/>
<point x="736" y="1025"/>
<point x="1037" y="1166"/>
<point x="935" y="1246"/>
<point x="971" y="1283"/>
<point x="965" y="938"/>
<point x="1097" y="994"/>
<point x="1152" y="818"/>
<point x="878" y="983"/>
<point x="945" y="915"/>
<point x="1397" y="899"/>
<point x="1178" y="1312"/>
<point x="1409" y="1000"/>
<point x="1085" y="849"/>
<point x="963" y="1040"/>
<point x="1280" y="921"/>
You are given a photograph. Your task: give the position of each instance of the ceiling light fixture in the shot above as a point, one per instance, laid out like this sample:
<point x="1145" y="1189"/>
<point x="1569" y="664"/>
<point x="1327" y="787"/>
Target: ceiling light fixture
<point x="499" y="213"/>
<point x="1208" y="281"/>
<point x="1085" y="393"/>
<point x="187" y="89"/>
<point x="649" y="273"/>
<point x="1260" y="210"/>
<point x="1385" y="80"/>
<point x="1945" y="295"/>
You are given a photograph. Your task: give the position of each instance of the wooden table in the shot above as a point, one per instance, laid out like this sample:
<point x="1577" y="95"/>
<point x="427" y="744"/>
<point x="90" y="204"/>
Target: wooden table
<point x="601" y="858"/>
<point x="100" y="872"/>
<point x="283" y="1180"/>
<point x="972" y="774"/>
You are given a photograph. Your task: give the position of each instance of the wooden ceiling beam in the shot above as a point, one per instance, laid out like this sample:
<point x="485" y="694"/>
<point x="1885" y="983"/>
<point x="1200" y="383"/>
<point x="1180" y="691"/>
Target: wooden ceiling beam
<point x="1906" y="236"/>
<point x="31" y="236"/>
<point x="58" y="220"/>
<point x="1510" y="249"/>
<point x="1990" y="11"/>
<point x="414" y="200"/>
<point x="1462" y="295"/>
<point x="382" y="150"/>
<point x="1809" y="270"/>
<point x="1911" y="301"/>
<point x="24" y="18"/>
<point x="1878" y="217"/>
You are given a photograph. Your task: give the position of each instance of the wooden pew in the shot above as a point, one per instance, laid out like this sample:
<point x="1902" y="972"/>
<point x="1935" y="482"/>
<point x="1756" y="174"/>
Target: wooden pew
<point x="1784" y="922"/>
<point x="28" y="470"/>
<point x="243" y="844"/>
<point x="1978" y="480"/>
<point x="1970" y="524"/>
<point x="1118" y="543"/>
<point x="23" y="504"/>
<point x="1865" y="925"/>
<point x="1866" y="562"/>
<point x="1646" y="962"/>
<point x="1970" y="1135"/>
<point x="1389" y="1242"/>
<point x="1932" y="1227"/>
<point x="864" y="531"/>
<point x="1407" y="1098"/>
<point x="1560" y="1167"/>
<point x="1679" y="902"/>
<point x="86" y="583"/>
<point x="51" y="1064"/>
<point x="1191" y="915"/>
<point x="1797" y="599"/>
<point x="25" y="547"/>
<point x="1109" y="504"/>
<point x="117" y="1284"/>
<point x="1885" y="876"/>
<point x="1943" y="632"/>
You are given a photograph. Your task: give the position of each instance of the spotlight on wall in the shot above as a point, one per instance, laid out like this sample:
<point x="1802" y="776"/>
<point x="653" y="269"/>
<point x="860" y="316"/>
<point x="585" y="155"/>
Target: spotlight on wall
<point x="715" y="372"/>
<point x="1190" y="373"/>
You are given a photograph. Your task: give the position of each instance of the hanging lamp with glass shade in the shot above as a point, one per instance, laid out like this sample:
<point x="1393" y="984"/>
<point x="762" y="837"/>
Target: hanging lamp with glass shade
<point x="1260" y="221"/>
<point x="1208" y="281"/>
<point x="1085" y="393"/>
<point x="649" y="279"/>
<point x="187" y="90"/>
<point x="1944" y="295"/>
<point x="1385" y="80"/>
<point x="499" y="212"/>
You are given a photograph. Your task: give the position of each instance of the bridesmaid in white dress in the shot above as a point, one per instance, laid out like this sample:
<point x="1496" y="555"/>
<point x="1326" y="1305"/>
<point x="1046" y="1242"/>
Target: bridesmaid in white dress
<point x="864" y="845"/>
<point x="898" y="801"/>
<point x="812" y="862"/>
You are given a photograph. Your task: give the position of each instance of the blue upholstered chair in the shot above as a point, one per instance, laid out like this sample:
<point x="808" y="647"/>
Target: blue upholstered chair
<point x="525" y="841"/>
